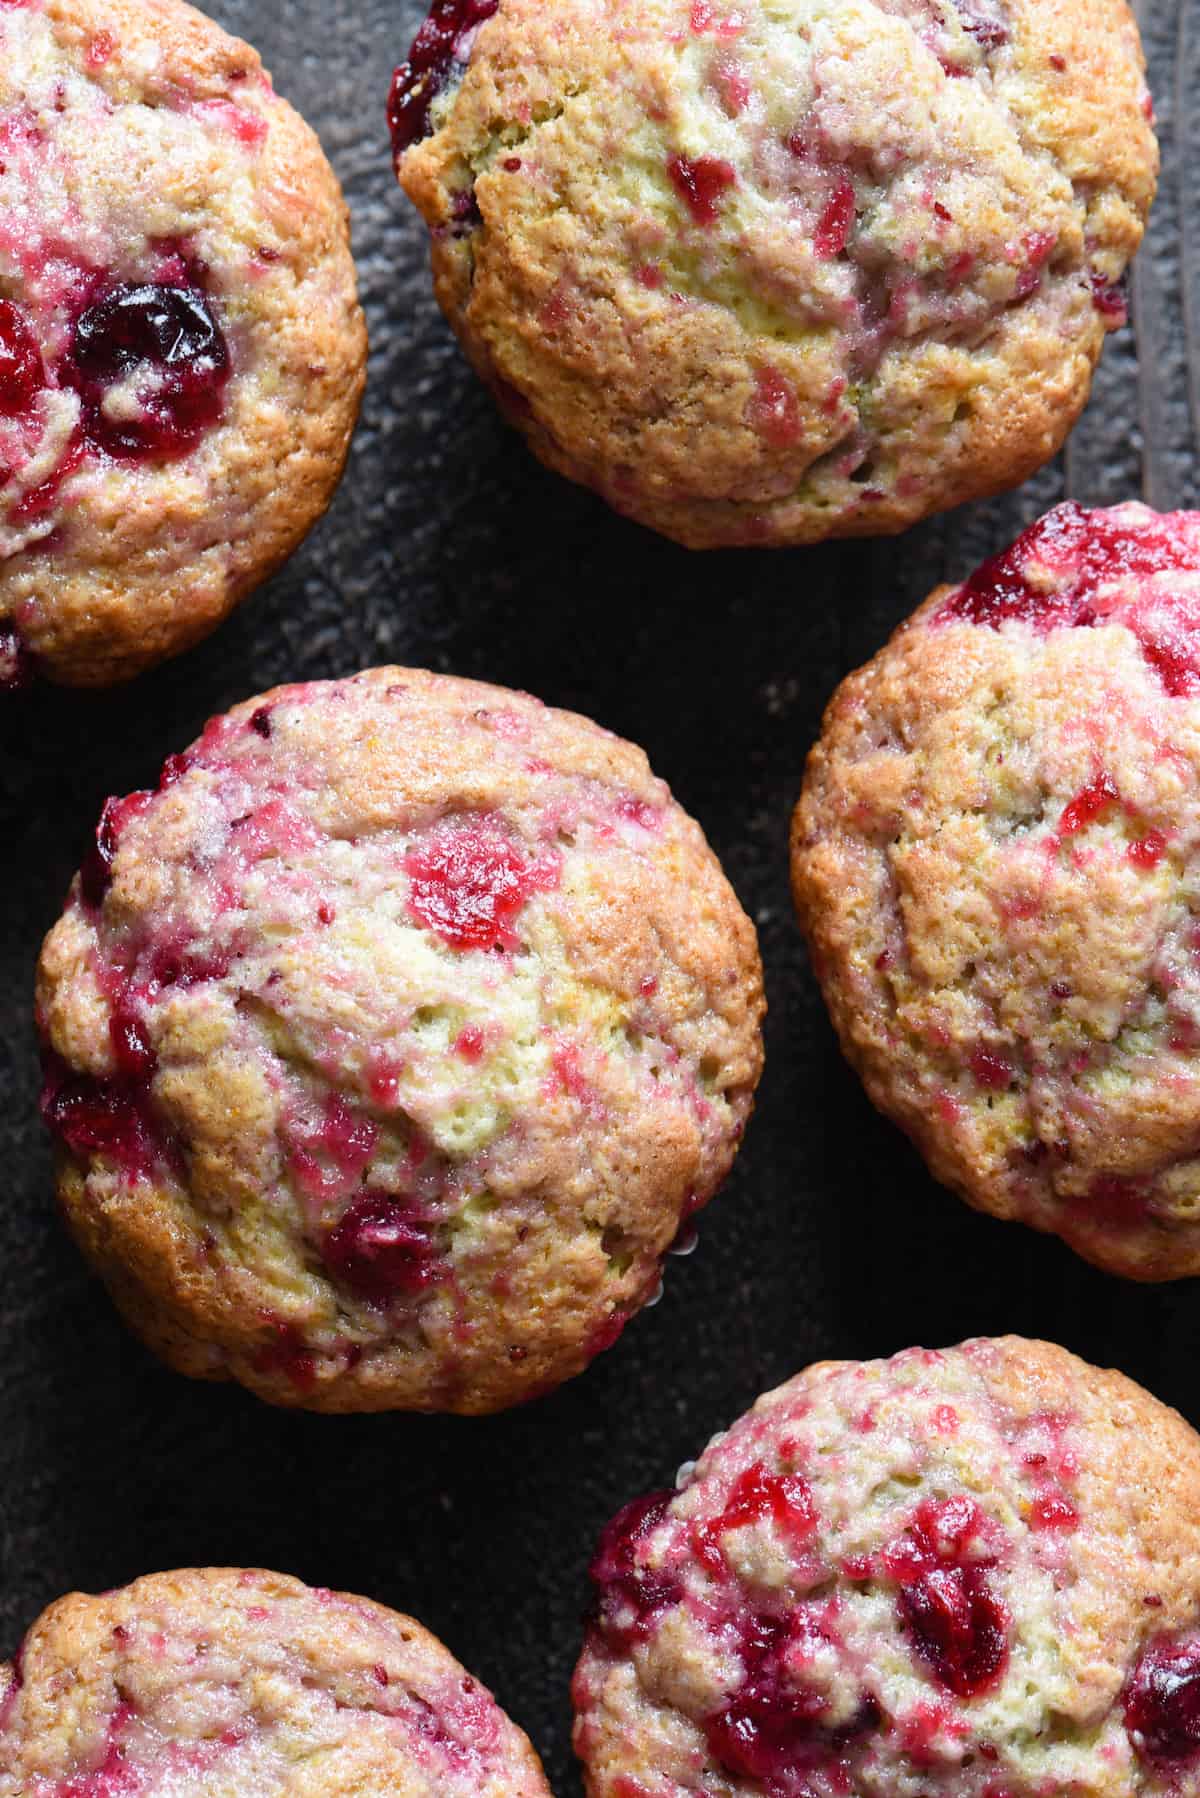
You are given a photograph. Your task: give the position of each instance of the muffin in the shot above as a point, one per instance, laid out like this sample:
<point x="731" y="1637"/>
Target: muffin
<point x="229" y="1684"/>
<point x="771" y="274"/>
<point x="995" y="858"/>
<point x="969" y="1573"/>
<point x="181" y="350"/>
<point x="392" y="1041"/>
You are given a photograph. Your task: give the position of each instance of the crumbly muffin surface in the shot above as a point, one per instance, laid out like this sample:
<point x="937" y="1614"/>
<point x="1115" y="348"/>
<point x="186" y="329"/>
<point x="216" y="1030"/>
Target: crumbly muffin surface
<point x="995" y="860"/>
<point x="972" y="1573"/>
<point x="181" y="349"/>
<point x="232" y="1683"/>
<point x="391" y="1042"/>
<point x="772" y="273"/>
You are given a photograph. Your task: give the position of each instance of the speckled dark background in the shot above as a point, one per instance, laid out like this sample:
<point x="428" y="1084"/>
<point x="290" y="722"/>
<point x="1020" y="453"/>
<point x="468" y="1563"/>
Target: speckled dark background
<point x="449" y="547"/>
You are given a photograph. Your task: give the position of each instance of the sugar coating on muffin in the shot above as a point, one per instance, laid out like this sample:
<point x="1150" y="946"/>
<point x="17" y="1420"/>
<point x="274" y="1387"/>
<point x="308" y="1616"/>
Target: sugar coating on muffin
<point x="391" y="1042"/>
<point x="769" y="274"/>
<point x="233" y="1683"/>
<point x="974" y="1572"/>
<point x="181" y="349"/>
<point x="995" y="860"/>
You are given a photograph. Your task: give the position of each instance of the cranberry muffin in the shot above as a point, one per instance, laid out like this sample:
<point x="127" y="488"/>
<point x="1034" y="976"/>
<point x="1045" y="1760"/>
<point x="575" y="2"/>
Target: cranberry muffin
<point x="181" y="349"/>
<point x="227" y="1683"/>
<point x="972" y="1573"/>
<point x="392" y="1041"/>
<point x="771" y="274"/>
<point x="995" y="858"/>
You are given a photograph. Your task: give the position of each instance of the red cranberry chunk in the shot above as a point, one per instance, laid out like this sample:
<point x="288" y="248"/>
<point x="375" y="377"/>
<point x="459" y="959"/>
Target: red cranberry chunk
<point x="700" y="182"/>
<point x="771" y="1729"/>
<point x="836" y="221"/>
<point x="113" y="1117"/>
<point x="983" y="23"/>
<point x="1088" y="805"/>
<point x="784" y="1498"/>
<point x="131" y="1049"/>
<point x="380" y="1249"/>
<point x="1162" y="1702"/>
<point x="469" y="882"/>
<point x="168" y="332"/>
<point x="21" y="373"/>
<point x="623" y="1584"/>
<point x="991" y="1070"/>
<point x="1080" y="549"/>
<point x="289" y="1355"/>
<point x="1148" y="851"/>
<point x="959" y="1627"/>
<point x="178" y="965"/>
<point x="771" y="1734"/>
<point x="420" y="79"/>
<point x="947" y="1602"/>
<point x="1053" y="1511"/>
<point x="95" y="873"/>
<point x="1173" y="652"/>
<point x="773" y="410"/>
<point x="1109" y="300"/>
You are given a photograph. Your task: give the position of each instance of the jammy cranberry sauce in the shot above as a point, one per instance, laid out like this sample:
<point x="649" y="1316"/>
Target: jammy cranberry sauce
<point x="441" y="41"/>
<point x="165" y="341"/>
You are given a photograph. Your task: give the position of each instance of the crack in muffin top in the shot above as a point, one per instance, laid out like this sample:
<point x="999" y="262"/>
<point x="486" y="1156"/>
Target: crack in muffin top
<point x="971" y="1572"/>
<point x="392" y="1040"/>
<point x="181" y="351"/>
<point x="995" y="861"/>
<point x="231" y="1682"/>
<point x="773" y="272"/>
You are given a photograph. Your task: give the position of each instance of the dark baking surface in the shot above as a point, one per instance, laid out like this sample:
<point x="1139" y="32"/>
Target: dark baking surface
<point x="449" y="547"/>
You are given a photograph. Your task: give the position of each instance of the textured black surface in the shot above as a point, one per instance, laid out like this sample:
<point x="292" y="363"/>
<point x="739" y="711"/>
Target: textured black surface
<point x="449" y="547"/>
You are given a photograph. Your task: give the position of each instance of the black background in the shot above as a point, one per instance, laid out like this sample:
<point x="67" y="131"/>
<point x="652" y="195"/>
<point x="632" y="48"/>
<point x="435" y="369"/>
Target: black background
<point x="449" y="547"/>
